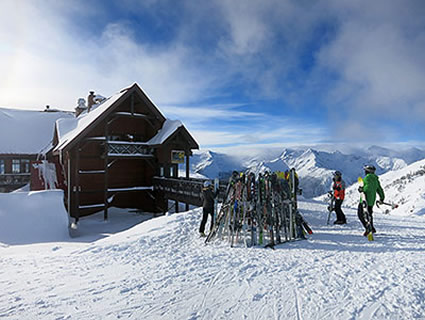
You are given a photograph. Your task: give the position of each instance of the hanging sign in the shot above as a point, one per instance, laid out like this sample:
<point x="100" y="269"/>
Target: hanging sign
<point x="177" y="156"/>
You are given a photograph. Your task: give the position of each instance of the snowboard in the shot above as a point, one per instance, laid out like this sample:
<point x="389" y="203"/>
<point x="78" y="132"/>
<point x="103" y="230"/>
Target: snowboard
<point x="331" y="206"/>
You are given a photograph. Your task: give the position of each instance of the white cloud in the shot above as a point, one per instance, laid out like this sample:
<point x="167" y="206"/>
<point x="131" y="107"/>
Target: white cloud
<point x="377" y="55"/>
<point x="45" y="63"/>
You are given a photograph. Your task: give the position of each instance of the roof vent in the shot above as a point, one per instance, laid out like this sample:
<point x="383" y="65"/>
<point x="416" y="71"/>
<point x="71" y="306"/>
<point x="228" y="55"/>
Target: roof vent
<point x="81" y="106"/>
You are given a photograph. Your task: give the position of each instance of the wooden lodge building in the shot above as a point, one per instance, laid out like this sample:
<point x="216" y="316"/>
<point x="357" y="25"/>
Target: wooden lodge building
<point x="111" y="152"/>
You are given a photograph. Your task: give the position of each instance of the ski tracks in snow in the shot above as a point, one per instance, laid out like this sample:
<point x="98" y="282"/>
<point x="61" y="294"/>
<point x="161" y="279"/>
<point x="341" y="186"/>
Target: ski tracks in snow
<point x="161" y="269"/>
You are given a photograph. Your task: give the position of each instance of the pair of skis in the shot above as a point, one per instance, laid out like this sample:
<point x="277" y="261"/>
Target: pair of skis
<point x="366" y="216"/>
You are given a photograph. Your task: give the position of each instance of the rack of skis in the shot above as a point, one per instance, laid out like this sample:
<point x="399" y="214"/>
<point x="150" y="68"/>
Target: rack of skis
<point x="260" y="211"/>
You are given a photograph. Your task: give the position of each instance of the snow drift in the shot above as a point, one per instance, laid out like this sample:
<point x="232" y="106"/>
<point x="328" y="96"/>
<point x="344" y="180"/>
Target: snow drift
<point x="31" y="217"/>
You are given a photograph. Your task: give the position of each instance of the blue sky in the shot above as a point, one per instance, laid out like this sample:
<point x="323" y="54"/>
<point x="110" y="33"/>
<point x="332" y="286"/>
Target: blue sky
<point x="237" y="73"/>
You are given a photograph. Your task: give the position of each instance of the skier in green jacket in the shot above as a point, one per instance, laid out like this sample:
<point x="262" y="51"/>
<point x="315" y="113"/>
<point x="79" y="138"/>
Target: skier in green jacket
<point x="371" y="187"/>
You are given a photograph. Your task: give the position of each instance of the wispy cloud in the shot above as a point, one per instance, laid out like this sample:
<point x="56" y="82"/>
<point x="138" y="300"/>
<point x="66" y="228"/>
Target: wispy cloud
<point x="270" y="132"/>
<point x="359" y="63"/>
<point x="201" y="114"/>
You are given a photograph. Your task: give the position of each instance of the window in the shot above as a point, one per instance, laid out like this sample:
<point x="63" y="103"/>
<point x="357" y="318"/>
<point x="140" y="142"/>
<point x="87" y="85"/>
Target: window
<point x="16" y="166"/>
<point x="25" y="166"/>
<point x="161" y="171"/>
<point x="1" y="166"/>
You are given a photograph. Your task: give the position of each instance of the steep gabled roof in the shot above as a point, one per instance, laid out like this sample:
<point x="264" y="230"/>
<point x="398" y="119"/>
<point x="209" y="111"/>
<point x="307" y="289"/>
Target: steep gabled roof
<point x="70" y="130"/>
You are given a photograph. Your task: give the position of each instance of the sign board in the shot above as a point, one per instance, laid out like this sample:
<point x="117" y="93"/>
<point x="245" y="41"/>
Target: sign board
<point x="177" y="156"/>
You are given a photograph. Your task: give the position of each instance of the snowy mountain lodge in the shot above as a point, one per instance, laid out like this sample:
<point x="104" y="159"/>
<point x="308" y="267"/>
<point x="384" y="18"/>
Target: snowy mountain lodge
<point x="109" y="152"/>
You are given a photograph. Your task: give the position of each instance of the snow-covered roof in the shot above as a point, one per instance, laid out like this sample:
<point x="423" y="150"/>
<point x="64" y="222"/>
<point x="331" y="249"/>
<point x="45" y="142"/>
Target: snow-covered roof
<point x="27" y="131"/>
<point x="69" y="129"/>
<point x="168" y="128"/>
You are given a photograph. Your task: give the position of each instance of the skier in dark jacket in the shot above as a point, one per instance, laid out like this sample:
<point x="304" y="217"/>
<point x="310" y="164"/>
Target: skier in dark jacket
<point x="338" y="187"/>
<point x="371" y="187"/>
<point x="208" y="196"/>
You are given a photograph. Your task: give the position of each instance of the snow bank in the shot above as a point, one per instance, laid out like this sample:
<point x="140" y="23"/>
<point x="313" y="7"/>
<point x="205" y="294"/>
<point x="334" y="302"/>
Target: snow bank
<point x="30" y="217"/>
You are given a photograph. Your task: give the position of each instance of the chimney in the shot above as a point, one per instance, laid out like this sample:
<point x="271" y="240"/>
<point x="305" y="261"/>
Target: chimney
<point x="90" y="101"/>
<point x="81" y="106"/>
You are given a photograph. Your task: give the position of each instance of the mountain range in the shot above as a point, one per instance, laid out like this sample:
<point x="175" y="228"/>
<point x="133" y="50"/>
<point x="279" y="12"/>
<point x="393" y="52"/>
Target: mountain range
<point x="314" y="166"/>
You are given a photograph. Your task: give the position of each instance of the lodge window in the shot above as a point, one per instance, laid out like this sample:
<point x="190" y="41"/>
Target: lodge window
<point x="1" y="166"/>
<point x="16" y="166"/>
<point x="25" y="166"/>
<point x="126" y="137"/>
<point x="173" y="171"/>
<point x="161" y="171"/>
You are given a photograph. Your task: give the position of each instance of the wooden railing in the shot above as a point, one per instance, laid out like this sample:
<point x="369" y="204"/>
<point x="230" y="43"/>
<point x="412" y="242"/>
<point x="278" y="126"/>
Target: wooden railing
<point x="129" y="149"/>
<point x="183" y="189"/>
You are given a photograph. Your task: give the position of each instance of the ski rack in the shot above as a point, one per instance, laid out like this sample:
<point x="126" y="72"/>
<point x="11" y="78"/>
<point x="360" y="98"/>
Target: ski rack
<point x="259" y="211"/>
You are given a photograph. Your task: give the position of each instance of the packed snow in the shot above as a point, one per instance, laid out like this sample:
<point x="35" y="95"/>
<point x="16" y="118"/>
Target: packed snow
<point x="135" y="266"/>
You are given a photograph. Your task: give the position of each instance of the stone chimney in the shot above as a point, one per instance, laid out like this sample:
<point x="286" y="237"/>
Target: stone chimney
<point x="90" y="101"/>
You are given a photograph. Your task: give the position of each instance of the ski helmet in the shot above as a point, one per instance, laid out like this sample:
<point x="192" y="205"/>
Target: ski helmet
<point x="207" y="183"/>
<point x="369" y="169"/>
<point x="337" y="174"/>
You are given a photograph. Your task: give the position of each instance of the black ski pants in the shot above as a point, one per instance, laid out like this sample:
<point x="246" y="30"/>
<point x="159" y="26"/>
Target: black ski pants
<point x="340" y="216"/>
<point x="205" y="213"/>
<point x="365" y="215"/>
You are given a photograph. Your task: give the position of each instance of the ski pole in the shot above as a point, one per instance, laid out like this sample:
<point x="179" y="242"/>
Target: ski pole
<point x="392" y="205"/>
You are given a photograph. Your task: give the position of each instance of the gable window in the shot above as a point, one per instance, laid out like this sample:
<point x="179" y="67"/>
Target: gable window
<point x="16" y="166"/>
<point x="1" y="166"/>
<point x="25" y="166"/>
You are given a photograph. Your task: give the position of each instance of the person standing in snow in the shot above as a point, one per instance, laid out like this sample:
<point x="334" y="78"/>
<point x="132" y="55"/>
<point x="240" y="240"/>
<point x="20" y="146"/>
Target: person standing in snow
<point x="207" y="206"/>
<point x="338" y="187"/>
<point x="371" y="187"/>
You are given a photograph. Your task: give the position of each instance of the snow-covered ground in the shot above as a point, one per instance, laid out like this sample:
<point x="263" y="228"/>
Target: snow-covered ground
<point x="161" y="269"/>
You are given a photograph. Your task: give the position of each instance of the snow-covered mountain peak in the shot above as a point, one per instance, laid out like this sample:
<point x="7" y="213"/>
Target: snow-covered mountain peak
<point x="315" y="167"/>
